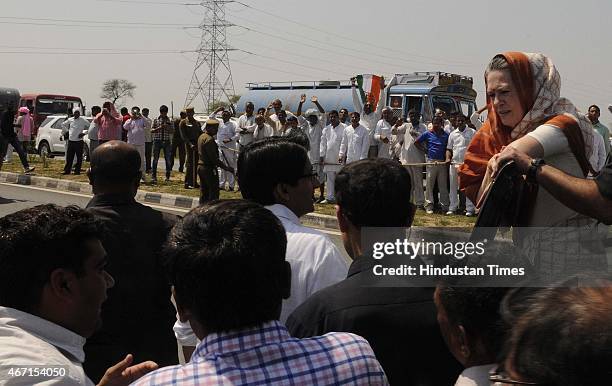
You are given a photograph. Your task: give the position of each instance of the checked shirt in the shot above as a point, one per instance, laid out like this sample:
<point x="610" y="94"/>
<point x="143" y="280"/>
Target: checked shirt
<point x="268" y="355"/>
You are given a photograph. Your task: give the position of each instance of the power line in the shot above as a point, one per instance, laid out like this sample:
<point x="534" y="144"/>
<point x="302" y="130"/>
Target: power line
<point x="267" y="68"/>
<point x="335" y="51"/>
<point x="287" y="52"/>
<point x="146" y="2"/>
<point x="91" y="22"/>
<point x="292" y="63"/>
<point x="318" y="48"/>
<point x="95" y="26"/>
<point x="376" y="46"/>
<point x="92" y="49"/>
<point x="92" y="53"/>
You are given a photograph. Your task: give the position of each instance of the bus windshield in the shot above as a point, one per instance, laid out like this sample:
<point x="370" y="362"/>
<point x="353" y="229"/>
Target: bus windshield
<point x="56" y="106"/>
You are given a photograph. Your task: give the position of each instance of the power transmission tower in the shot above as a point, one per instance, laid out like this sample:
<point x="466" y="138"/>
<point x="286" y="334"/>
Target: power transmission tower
<point x="217" y="84"/>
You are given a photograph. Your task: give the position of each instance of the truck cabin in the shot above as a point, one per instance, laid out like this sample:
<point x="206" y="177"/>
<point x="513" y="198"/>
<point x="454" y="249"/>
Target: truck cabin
<point x="428" y="91"/>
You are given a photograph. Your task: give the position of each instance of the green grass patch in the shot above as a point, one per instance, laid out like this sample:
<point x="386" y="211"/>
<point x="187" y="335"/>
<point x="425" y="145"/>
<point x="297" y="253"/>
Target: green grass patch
<point x="54" y="168"/>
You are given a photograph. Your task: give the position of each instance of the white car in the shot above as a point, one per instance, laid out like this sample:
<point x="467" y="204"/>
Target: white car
<point x="49" y="140"/>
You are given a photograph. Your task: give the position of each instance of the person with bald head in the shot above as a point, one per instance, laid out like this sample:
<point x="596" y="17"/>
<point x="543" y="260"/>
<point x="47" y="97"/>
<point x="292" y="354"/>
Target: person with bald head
<point x="138" y="315"/>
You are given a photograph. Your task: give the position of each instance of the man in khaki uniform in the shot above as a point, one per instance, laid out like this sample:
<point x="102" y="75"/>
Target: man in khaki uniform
<point x="208" y="161"/>
<point x="190" y="131"/>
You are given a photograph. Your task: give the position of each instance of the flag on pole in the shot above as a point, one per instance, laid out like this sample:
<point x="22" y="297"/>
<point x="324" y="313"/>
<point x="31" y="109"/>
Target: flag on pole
<point x="369" y="86"/>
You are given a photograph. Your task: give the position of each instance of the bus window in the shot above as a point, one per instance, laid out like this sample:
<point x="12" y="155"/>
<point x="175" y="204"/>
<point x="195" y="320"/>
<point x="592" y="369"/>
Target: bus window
<point x="446" y="104"/>
<point x="50" y="106"/>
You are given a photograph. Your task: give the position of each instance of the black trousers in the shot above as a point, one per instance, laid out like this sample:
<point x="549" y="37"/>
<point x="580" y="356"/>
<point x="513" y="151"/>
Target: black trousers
<point x="209" y="184"/>
<point x="158" y="146"/>
<point x="191" y="167"/>
<point x="148" y="151"/>
<point x="178" y="145"/>
<point x="16" y="143"/>
<point x="74" y="147"/>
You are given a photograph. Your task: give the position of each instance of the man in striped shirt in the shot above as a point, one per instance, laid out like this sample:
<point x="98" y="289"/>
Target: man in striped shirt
<point x="227" y="264"/>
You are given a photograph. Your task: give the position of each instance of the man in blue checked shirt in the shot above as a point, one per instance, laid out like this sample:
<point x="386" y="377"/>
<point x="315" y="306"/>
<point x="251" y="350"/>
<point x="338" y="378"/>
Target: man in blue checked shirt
<point x="226" y="261"/>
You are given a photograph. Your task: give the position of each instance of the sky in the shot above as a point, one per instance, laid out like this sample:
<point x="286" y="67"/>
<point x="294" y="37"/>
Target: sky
<point x="73" y="46"/>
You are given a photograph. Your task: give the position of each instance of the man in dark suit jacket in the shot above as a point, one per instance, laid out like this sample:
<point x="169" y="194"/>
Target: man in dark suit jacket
<point x="398" y="321"/>
<point x="138" y="315"/>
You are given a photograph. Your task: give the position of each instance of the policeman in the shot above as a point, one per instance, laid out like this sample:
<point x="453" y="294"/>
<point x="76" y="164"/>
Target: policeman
<point x="208" y="161"/>
<point x="190" y="131"/>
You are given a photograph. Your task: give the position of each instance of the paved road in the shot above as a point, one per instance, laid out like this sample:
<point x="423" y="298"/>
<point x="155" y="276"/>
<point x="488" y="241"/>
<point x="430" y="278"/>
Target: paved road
<point x="17" y="197"/>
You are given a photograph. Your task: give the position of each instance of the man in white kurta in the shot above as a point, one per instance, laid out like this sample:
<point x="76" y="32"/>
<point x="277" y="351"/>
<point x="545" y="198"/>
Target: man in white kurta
<point x="226" y="139"/>
<point x="313" y="123"/>
<point x="355" y="141"/>
<point x="411" y="154"/>
<point x="246" y="126"/>
<point x="370" y="118"/>
<point x="382" y="133"/>
<point x="458" y="141"/>
<point x="262" y="129"/>
<point x="331" y="139"/>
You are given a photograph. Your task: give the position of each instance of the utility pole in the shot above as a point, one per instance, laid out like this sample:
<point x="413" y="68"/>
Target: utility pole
<point x="217" y="84"/>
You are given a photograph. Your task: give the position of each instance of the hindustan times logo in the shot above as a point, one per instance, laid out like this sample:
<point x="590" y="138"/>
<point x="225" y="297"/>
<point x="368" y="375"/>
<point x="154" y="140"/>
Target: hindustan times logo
<point x="413" y="249"/>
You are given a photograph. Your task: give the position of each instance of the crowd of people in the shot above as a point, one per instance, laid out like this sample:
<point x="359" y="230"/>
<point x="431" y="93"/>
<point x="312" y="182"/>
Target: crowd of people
<point x="254" y="297"/>
<point x="262" y="299"/>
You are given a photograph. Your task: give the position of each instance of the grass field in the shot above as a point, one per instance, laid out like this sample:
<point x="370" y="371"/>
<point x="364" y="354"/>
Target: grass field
<point x="54" y="168"/>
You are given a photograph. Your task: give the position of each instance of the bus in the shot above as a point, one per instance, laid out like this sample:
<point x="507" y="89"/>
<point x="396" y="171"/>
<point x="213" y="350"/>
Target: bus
<point x="43" y="105"/>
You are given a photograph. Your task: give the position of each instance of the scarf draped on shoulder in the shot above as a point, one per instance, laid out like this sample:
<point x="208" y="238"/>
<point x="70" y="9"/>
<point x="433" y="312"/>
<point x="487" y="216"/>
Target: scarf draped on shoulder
<point x="538" y="84"/>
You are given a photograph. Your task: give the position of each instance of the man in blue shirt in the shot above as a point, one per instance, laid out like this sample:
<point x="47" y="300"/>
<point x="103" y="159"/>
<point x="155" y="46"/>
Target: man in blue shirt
<point x="436" y="141"/>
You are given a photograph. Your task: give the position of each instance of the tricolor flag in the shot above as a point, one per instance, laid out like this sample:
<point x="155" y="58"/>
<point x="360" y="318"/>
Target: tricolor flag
<point x="369" y="86"/>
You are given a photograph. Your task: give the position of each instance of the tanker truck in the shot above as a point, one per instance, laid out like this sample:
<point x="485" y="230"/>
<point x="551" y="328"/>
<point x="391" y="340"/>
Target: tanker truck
<point x="423" y="91"/>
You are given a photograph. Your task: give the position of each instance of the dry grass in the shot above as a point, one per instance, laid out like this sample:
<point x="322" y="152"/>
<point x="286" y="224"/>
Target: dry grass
<point x="54" y="169"/>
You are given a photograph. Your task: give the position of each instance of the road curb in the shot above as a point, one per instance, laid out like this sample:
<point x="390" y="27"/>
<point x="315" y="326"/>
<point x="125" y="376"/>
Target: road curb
<point x="148" y="197"/>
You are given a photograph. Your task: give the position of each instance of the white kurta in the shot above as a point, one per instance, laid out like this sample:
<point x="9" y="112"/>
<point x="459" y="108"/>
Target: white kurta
<point x="227" y="131"/>
<point x="458" y="142"/>
<point x="263" y="132"/>
<point x="355" y="143"/>
<point x="331" y="139"/>
<point x="598" y="158"/>
<point x="383" y="130"/>
<point x="247" y="123"/>
<point x="369" y="121"/>
<point x="410" y="153"/>
<point x="314" y="136"/>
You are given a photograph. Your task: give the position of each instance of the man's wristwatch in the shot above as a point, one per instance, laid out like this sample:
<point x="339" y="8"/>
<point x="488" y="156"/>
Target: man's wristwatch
<point x="532" y="172"/>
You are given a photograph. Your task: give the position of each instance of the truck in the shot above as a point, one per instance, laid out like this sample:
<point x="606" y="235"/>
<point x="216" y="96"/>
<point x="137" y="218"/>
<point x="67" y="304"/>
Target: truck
<point x="423" y="91"/>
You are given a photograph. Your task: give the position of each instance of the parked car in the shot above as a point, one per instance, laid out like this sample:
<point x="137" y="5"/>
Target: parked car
<point x="49" y="140"/>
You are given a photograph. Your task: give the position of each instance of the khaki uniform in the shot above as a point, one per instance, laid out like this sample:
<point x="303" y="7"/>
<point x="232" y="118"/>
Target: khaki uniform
<point x="208" y="160"/>
<point x="190" y="132"/>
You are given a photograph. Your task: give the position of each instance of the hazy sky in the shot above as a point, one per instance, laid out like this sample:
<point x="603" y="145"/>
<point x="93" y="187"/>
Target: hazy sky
<point x="317" y="40"/>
